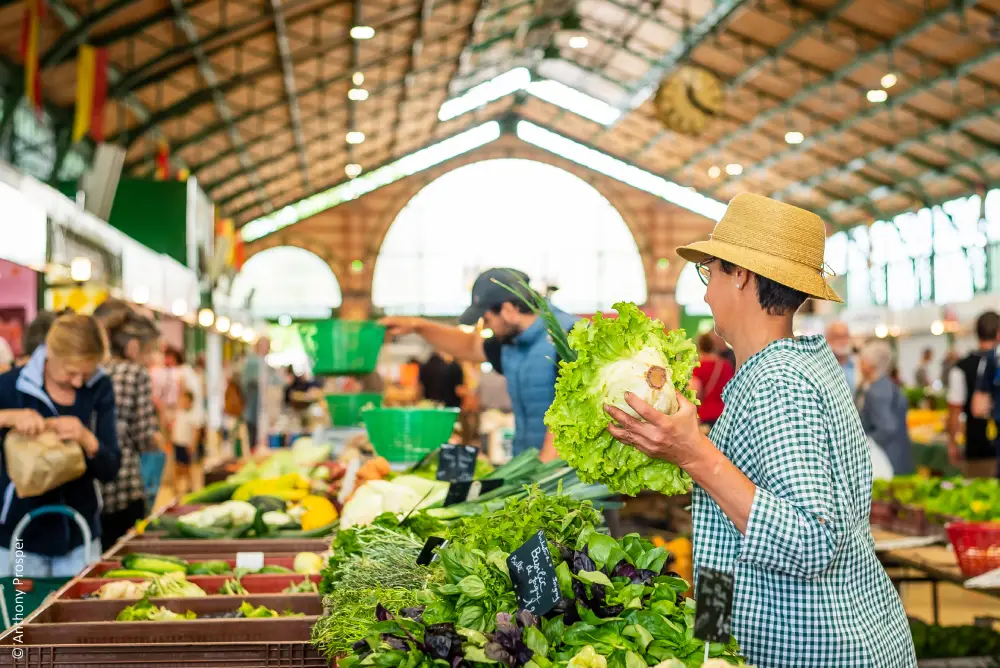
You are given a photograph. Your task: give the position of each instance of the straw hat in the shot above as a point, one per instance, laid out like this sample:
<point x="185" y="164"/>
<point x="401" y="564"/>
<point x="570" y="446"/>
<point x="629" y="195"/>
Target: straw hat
<point x="772" y="239"/>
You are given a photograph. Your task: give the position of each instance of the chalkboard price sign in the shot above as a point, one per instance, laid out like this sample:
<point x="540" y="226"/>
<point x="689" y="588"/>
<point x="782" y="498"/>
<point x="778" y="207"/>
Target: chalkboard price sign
<point x="460" y="492"/>
<point x="426" y="555"/>
<point x="534" y="575"/>
<point x="713" y="605"/>
<point x="456" y="463"/>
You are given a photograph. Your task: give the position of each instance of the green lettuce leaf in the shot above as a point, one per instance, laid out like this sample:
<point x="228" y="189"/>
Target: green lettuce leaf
<point x="612" y="358"/>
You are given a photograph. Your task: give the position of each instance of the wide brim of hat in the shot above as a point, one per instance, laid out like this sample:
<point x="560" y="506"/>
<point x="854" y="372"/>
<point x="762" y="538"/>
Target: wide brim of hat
<point x="787" y="273"/>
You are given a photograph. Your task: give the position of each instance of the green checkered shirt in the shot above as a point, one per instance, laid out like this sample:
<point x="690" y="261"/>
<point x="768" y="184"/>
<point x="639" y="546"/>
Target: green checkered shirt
<point x="810" y="591"/>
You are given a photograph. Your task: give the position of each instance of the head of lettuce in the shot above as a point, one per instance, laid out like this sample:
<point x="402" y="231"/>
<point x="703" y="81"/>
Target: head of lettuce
<point x="630" y="353"/>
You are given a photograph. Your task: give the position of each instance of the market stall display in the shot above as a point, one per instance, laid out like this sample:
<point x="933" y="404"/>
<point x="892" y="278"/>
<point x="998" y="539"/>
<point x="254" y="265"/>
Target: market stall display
<point x="918" y="505"/>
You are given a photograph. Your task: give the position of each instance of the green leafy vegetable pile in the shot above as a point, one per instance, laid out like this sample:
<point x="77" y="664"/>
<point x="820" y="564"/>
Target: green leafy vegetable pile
<point x="144" y="611"/>
<point x="974" y="499"/>
<point x="630" y="353"/>
<point x="953" y="642"/>
<point x="620" y="605"/>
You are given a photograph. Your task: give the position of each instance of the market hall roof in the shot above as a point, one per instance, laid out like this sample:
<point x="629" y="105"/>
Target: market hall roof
<point x="858" y="109"/>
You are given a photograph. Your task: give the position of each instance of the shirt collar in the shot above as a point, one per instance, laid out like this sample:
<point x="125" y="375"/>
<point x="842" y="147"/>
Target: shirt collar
<point x="34" y="371"/>
<point x="531" y="334"/>
<point x="812" y="343"/>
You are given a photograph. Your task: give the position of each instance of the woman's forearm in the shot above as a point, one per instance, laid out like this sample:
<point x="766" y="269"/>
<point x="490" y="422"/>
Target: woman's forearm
<point x="725" y="483"/>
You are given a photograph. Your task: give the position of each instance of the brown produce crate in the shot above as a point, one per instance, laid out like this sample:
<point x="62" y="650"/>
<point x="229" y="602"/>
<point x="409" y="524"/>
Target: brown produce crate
<point x="911" y="521"/>
<point x="179" y="548"/>
<point x="883" y="514"/>
<point x="255" y="584"/>
<point x="246" y="643"/>
<point x="95" y="570"/>
<point x="68" y="613"/>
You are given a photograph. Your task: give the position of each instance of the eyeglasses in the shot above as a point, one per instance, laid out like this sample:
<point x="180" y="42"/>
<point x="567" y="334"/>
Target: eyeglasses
<point x="704" y="272"/>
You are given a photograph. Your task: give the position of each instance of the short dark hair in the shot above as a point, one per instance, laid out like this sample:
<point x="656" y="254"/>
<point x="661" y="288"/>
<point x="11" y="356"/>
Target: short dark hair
<point x="774" y="298"/>
<point x="517" y="302"/>
<point x="987" y="326"/>
<point x="175" y="353"/>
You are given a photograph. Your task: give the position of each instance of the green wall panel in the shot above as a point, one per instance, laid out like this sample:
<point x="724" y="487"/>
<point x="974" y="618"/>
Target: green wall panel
<point x="154" y="213"/>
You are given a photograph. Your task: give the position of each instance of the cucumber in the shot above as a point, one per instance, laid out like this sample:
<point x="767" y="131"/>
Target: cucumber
<point x="191" y="531"/>
<point x="217" y="492"/>
<point x="154" y="563"/>
<point x="127" y="573"/>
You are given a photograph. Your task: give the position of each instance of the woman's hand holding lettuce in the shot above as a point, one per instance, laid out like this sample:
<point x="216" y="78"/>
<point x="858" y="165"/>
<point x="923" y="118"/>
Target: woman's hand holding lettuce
<point x="630" y="353"/>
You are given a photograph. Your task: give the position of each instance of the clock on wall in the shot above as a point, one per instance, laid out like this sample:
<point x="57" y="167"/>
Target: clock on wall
<point x="686" y="100"/>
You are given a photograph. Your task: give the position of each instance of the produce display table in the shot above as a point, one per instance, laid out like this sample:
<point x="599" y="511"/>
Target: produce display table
<point x="936" y="562"/>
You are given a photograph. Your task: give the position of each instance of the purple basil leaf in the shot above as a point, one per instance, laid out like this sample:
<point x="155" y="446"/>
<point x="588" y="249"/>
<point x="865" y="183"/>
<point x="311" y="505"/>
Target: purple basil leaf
<point x="503" y="618"/>
<point x="381" y="614"/>
<point x="437" y="645"/>
<point x="582" y="562"/>
<point x="413" y="613"/>
<point x="565" y="553"/>
<point x="397" y="643"/>
<point x="597" y="594"/>
<point x="360" y="646"/>
<point x="608" y="611"/>
<point x="625" y="570"/>
<point x="643" y="576"/>
<point x="496" y="652"/>
<point x="525" y="618"/>
<point x="457" y="661"/>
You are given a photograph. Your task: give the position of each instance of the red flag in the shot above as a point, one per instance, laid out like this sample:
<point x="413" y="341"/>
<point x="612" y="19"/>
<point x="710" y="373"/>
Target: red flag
<point x="100" y="94"/>
<point x="31" y="34"/>
<point x="162" y="161"/>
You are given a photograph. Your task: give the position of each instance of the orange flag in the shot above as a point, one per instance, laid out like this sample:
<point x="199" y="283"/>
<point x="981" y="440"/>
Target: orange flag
<point x="31" y="33"/>
<point x="162" y="172"/>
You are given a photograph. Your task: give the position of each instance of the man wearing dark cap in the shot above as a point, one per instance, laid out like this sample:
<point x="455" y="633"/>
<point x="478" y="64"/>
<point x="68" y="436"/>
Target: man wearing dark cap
<point x="520" y="349"/>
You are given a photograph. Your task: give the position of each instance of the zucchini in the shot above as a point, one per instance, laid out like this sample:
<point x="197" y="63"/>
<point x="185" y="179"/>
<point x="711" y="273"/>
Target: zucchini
<point x="208" y="568"/>
<point x="274" y="570"/>
<point x="265" y="503"/>
<point x="217" y="492"/>
<point x="127" y="573"/>
<point x="154" y="563"/>
<point x="191" y="531"/>
<point x="318" y="532"/>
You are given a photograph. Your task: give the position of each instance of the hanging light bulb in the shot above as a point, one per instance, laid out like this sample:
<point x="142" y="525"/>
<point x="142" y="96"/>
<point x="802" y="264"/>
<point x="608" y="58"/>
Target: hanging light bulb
<point x="222" y="323"/>
<point x="205" y="317"/>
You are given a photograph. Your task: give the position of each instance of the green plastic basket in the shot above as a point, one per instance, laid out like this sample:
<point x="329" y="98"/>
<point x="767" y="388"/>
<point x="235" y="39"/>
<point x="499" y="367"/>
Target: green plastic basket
<point x="404" y="435"/>
<point x="342" y="346"/>
<point x="345" y="409"/>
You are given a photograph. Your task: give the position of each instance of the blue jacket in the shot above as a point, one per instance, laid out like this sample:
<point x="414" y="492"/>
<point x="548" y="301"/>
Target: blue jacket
<point x="883" y="415"/>
<point x="529" y="364"/>
<point x="55" y="535"/>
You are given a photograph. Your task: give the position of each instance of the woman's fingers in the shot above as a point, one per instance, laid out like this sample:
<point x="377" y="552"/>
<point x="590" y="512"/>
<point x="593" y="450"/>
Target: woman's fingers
<point x="645" y="411"/>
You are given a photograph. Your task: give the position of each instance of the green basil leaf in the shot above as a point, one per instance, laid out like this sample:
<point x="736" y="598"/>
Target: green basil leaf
<point x="536" y="641"/>
<point x="473" y="587"/>
<point x="604" y="550"/>
<point x="565" y="579"/>
<point x="593" y="577"/>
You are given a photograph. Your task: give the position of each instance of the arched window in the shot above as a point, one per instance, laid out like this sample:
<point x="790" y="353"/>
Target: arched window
<point x="507" y="213"/>
<point x="286" y="280"/>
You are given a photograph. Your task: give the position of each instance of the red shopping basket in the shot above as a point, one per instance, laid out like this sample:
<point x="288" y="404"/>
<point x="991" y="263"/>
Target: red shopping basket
<point x="976" y="545"/>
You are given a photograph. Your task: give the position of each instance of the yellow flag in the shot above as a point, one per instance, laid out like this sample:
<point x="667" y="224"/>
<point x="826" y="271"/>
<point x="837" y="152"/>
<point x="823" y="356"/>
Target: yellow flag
<point x="85" y="74"/>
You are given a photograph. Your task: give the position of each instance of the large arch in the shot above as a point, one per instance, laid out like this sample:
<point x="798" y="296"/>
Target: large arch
<point x="287" y="280"/>
<point x="502" y="212"/>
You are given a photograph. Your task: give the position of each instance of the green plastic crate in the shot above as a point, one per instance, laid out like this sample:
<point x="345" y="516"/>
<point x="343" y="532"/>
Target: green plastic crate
<point x="346" y="347"/>
<point x="404" y="435"/>
<point x="345" y="409"/>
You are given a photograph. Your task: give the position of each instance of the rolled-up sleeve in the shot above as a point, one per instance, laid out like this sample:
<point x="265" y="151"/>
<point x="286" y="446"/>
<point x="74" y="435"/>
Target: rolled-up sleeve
<point x="793" y="525"/>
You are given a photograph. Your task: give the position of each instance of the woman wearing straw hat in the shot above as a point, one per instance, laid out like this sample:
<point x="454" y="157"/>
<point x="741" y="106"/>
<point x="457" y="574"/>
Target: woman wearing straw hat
<point x="783" y="482"/>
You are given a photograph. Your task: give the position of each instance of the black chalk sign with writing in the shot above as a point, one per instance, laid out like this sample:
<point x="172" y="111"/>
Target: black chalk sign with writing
<point x="460" y="492"/>
<point x="426" y="555"/>
<point x="713" y="599"/>
<point x="457" y="463"/>
<point x="534" y="575"/>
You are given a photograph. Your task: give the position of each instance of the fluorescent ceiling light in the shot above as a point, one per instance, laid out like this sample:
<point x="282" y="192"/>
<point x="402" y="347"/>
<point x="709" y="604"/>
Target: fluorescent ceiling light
<point x="355" y="137"/>
<point x="362" y="32"/>
<point x="794" y="137"/>
<point x="352" y="170"/>
<point x="415" y="162"/>
<point x="358" y="78"/>
<point x="573" y="100"/>
<point x="714" y="172"/>
<point x="578" y="42"/>
<point x="486" y="92"/>
<point x="889" y="80"/>
<point x="357" y="94"/>
<point x="877" y="96"/>
<point x="734" y="169"/>
<point x="622" y="171"/>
